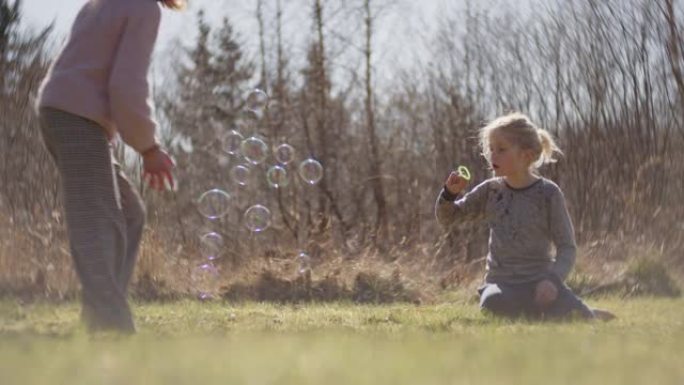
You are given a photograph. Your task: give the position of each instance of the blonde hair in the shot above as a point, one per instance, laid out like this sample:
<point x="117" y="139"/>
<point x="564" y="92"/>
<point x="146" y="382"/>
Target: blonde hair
<point x="174" y="4"/>
<point x="519" y="130"/>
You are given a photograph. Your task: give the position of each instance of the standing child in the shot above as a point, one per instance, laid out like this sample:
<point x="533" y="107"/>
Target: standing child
<point x="526" y="215"/>
<point x="97" y="88"/>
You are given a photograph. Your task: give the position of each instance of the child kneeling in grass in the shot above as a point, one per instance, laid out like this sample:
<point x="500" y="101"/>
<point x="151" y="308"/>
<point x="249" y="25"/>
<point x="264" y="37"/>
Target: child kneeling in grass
<point x="526" y="215"/>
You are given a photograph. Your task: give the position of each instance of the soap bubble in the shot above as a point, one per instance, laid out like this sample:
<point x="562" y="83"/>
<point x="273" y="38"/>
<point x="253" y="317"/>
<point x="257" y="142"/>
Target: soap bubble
<point x="204" y="279"/>
<point x="304" y="261"/>
<point x="257" y="100"/>
<point x="254" y="150"/>
<point x="231" y="142"/>
<point x="284" y="153"/>
<point x="277" y="177"/>
<point x="257" y="218"/>
<point x="311" y="171"/>
<point x="214" y="204"/>
<point x="240" y="174"/>
<point x="211" y="245"/>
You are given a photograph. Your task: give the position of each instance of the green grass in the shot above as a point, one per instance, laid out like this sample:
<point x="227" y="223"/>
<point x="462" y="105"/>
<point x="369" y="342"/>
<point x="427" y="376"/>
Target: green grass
<point x="217" y="343"/>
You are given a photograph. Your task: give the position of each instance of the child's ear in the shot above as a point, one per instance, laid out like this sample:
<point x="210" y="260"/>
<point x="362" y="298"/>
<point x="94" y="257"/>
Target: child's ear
<point x="529" y="156"/>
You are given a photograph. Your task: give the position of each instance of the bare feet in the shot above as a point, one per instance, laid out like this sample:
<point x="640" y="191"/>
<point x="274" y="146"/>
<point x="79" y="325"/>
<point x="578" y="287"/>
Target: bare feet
<point x="603" y="315"/>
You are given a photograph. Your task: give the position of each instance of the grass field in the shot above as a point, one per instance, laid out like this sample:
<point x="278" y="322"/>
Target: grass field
<point x="218" y="343"/>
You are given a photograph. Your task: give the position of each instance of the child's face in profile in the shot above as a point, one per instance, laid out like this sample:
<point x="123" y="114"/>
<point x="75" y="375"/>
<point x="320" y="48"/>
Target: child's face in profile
<point x="507" y="158"/>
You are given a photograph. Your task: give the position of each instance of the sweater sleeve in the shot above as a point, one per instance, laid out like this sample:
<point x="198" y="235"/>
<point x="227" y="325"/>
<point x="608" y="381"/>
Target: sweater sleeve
<point x="470" y="207"/>
<point x="129" y="89"/>
<point x="563" y="235"/>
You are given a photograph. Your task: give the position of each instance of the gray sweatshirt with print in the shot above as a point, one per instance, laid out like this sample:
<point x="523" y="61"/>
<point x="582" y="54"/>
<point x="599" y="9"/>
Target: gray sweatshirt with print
<point x="524" y="227"/>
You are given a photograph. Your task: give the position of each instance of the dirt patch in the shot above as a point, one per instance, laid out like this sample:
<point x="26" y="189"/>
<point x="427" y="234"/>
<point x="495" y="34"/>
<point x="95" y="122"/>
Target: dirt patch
<point x="367" y="287"/>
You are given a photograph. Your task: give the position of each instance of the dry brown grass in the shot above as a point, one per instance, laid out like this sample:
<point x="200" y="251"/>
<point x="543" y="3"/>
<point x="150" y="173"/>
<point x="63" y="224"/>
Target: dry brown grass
<point x="35" y="266"/>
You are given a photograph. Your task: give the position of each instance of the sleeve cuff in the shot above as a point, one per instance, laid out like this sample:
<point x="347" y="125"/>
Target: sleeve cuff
<point x="150" y="149"/>
<point x="446" y="195"/>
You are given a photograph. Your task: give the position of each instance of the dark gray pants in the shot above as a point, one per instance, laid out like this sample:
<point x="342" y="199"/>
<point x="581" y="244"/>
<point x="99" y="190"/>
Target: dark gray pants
<point x="104" y="215"/>
<point x="517" y="300"/>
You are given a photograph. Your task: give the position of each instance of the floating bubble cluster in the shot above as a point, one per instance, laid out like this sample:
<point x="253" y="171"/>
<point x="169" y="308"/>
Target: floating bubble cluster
<point x="248" y="156"/>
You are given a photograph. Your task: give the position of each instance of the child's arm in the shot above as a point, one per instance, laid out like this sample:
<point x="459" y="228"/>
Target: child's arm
<point x="563" y="235"/>
<point x="471" y="206"/>
<point x="129" y="89"/>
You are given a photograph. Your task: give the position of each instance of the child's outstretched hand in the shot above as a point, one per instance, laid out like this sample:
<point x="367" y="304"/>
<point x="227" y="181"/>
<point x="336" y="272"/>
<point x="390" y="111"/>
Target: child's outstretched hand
<point x="455" y="183"/>
<point x="545" y="293"/>
<point x="157" y="167"/>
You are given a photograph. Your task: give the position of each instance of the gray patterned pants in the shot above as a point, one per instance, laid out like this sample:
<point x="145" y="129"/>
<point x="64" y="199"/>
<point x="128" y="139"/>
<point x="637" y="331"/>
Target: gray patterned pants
<point x="517" y="300"/>
<point x="104" y="215"/>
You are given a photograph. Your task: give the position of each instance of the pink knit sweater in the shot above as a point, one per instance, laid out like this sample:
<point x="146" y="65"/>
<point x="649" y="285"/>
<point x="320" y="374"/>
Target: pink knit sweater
<point x="101" y="73"/>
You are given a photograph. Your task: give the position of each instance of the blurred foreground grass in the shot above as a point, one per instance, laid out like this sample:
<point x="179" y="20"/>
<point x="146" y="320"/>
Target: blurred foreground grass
<point x="219" y="343"/>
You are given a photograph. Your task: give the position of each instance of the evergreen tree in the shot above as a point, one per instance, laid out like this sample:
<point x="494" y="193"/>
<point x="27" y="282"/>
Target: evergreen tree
<point x="22" y="66"/>
<point x="210" y="87"/>
<point x="231" y="72"/>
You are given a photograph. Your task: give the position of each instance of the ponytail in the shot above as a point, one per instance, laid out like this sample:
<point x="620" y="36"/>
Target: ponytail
<point x="548" y="148"/>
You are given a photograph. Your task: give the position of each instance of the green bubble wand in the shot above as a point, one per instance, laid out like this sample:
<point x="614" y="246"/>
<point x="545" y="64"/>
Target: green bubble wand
<point x="463" y="172"/>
